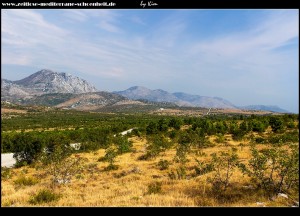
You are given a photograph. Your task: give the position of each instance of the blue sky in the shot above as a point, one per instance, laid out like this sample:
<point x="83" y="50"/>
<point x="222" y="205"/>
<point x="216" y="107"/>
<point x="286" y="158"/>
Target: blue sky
<point x="244" y="56"/>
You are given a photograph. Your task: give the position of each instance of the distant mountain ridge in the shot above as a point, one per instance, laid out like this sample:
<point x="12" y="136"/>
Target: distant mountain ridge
<point x="272" y="108"/>
<point x="64" y="90"/>
<point x="179" y="98"/>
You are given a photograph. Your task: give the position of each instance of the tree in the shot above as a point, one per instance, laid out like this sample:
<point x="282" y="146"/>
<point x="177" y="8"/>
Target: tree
<point x="223" y="165"/>
<point x="26" y="148"/>
<point x="276" y="124"/>
<point x="175" y="123"/>
<point x="151" y="128"/>
<point x="273" y="169"/>
<point x="60" y="165"/>
<point x="221" y="127"/>
<point x="110" y="156"/>
<point x="258" y="126"/>
<point x="162" y="125"/>
<point x="123" y="144"/>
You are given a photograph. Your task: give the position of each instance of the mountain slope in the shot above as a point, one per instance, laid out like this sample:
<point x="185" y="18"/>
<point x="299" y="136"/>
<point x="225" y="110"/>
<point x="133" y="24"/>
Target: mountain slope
<point x="50" y="88"/>
<point x="203" y="101"/>
<point x="264" y="108"/>
<point x="139" y="92"/>
<point x="47" y="81"/>
<point x="179" y="98"/>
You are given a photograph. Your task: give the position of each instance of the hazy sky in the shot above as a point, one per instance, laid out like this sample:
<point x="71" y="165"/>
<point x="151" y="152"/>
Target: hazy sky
<point x="244" y="56"/>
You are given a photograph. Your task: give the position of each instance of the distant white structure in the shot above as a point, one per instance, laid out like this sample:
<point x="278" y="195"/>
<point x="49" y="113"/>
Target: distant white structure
<point x="7" y="160"/>
<point x="126" y="132"/>
<point x="161" y="109"/>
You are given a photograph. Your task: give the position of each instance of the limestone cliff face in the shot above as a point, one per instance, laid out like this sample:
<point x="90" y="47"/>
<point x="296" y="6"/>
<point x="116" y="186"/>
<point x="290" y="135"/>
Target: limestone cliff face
<point x="47" y="81"/>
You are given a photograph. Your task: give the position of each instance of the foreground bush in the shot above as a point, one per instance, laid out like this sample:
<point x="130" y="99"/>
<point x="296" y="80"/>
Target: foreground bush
<point x="26" y="181"/>
<point x="44" y="196"/>
<point x="274" y="169"/>
<point x="60" y="165"/>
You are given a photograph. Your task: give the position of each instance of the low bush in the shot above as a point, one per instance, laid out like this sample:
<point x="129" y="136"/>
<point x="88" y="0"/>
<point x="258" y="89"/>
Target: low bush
<point x="44" y="196"/>
<point x="163" y="164"/>
<point x="154" y="188"/>
<point x="25" y="181"/>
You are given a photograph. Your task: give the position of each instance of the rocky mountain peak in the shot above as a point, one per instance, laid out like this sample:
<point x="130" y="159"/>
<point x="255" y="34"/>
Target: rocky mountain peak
<point x="48" y="81"/>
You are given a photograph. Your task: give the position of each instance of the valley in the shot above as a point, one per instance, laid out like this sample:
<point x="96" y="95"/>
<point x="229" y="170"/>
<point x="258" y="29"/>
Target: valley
<point x="174" y="158"/>
<point x="64" y="143"/>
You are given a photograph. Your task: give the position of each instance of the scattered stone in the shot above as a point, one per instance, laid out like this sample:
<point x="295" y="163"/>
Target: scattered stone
<point x="62" y="181"/>
<point x="283" y="195"/>
<point x="136" y="170"/>
<point x="260" y="204"/>
<point x="248" y="187"/>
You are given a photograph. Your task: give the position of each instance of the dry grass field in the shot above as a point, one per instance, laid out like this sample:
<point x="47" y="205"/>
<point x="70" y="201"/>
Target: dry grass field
<point x="139" y="182"/>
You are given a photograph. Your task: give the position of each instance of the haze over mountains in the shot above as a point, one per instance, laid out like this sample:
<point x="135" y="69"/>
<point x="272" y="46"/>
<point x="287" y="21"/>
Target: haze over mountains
<point x="51" y="88"/>
<point x="179" y="98"/>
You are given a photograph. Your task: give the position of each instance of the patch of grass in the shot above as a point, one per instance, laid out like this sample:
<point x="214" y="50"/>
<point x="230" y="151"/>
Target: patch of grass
<point x="5" y="173"/>
<point x="26" y="181"/>
<point x="101" y="159"/>
<point x="44" y="196"/>
<point x="154" y="188"/>
<point x="111" y="167"/>
<point x="163" y="164"/>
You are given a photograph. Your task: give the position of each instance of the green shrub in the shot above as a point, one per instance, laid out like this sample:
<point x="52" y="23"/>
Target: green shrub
<point x="60" y="165"/>
<point x="223" y="165"/>
<point x="259" y="140"/>
<point x="110" y="156"/>
<point x="201" y="168"/>
<point x="290" y="125"/>
<point x="292" y="136"/>
<point x="152" y="128"/>
<point x="276" y="124"/>
<point x="123" y="144"/>
<point x="273" y="169"/>
<point x="26" y="148"/>
<point x="154" y="188"/>
<point x="163" y="164"/>
<point x="175" y="123"/>
<point x="156" y="145"/>
<point x="44" y="196"/>
<point x="180" y="173"/>
<point x="25" y="181"/>
<point x="220" y="138"/>
<point x="111" y="167"/>
<point x="6" y="173"/>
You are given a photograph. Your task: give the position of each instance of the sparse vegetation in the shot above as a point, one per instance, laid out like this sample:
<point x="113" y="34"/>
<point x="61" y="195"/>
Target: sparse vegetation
<point x="44" y="196"/>
<point x="163" y="164"/>
<point x="215" y="160"/>
<point x="154" y="188"/>
<point x="110" y="156"/>
<point x="60" y="165"/>
<point x="6" y="173"/>
<point x="25" y="181"/>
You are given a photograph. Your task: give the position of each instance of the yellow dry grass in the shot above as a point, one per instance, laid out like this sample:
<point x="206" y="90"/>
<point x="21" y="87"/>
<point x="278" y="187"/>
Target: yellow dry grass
<point x="7" y="110"/>
<point x="128" y="186"/>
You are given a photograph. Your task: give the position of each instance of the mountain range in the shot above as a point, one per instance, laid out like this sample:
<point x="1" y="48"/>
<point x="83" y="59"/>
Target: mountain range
<point x="179" y="98"/>
<point x="64" y="90"/>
